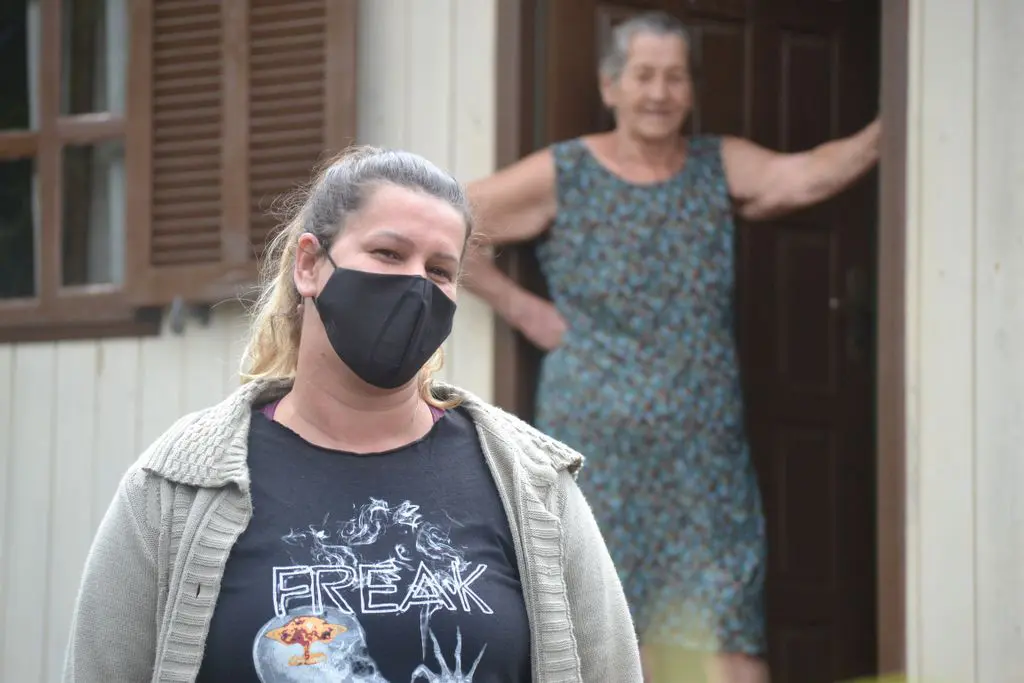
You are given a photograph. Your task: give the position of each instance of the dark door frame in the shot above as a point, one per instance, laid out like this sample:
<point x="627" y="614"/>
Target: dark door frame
<point x="515" y="137"/>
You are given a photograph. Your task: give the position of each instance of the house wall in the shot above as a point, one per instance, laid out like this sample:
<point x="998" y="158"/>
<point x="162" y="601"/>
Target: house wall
<point x="965" y="342"/>
<point x="74" y="415"/>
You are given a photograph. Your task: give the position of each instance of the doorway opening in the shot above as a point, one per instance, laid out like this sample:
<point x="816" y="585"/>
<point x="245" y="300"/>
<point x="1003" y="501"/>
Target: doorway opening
<point x="819" y="313"/>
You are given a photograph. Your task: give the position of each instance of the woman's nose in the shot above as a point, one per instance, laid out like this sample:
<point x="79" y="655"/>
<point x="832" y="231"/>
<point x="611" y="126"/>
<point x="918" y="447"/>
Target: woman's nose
<point x="658" y="89"/>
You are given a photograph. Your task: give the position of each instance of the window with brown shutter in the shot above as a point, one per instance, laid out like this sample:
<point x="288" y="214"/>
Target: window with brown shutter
<point x="144" y="143"/>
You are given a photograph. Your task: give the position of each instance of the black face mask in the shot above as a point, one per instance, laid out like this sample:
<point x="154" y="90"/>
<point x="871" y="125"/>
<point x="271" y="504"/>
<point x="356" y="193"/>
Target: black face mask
<point x="384" y="327"/>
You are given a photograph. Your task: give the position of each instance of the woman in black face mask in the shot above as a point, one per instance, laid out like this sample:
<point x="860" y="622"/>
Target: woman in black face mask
<point x="343" y="517"/>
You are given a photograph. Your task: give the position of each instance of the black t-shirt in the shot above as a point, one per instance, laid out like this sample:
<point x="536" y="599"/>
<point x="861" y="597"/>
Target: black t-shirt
<point x="383" y="568"/>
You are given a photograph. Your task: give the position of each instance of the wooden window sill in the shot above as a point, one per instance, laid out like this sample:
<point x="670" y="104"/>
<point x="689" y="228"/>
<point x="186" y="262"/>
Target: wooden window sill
<point x="145" y="325"/>
<point x="81" y="316"/>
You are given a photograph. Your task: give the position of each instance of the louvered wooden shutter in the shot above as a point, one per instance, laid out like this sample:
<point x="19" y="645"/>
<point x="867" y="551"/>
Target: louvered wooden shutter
<point x="242" y="98"/>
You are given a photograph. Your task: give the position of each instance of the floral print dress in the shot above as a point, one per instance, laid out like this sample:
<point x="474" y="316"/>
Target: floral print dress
<point x="647" y="386"/>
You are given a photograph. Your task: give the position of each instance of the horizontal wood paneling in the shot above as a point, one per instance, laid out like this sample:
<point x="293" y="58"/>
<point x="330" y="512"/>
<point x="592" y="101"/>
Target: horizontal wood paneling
<point x="286" y="103"/>
<point x="187" y="101"/>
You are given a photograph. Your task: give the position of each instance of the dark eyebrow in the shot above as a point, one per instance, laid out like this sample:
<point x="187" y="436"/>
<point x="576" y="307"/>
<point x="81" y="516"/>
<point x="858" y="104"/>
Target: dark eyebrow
<point x="409" y="244"/>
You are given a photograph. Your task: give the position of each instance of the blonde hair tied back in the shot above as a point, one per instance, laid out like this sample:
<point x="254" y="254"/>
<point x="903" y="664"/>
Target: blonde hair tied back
<point x="339" y="189"/>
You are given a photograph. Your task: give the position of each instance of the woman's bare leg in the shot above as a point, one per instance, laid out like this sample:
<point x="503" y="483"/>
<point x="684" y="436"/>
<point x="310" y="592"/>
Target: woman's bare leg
<point x="671" y="664"/>
<point x="647" y="663"/>
<point x="736" y="668"/>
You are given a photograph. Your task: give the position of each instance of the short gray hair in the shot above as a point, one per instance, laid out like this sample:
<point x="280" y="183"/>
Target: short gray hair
<point x="616" y="51"/>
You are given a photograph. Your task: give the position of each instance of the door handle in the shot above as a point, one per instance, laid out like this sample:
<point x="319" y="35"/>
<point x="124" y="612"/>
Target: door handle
<point x="858" y="312"/>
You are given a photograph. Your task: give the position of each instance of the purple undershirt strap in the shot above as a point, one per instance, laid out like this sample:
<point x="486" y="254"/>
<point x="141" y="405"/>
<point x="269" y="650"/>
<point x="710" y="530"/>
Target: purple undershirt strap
<point x="271" y="408"/>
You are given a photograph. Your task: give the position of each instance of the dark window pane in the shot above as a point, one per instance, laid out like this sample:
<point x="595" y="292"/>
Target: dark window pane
<point x="94" y="56"/>
<point x="93" y="218"/>
<point x="16" y="26"/>
<point x="17" y="229"/>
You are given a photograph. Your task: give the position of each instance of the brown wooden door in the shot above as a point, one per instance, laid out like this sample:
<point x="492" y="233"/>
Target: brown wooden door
<point x="788" y="74"/>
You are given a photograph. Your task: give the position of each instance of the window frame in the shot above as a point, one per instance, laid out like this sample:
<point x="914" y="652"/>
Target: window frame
<point x="57" y="311"/>
<point x="134" y="307"/>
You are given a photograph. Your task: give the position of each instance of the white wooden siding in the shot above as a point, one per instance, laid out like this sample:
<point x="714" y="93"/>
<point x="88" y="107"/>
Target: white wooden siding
<point x="965" y="342"/>
<point x="74" y="415"/>
<point x="427" y="84"/>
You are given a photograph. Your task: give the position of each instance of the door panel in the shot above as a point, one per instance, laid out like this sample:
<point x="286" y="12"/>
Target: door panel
<point x="788" y="74"/>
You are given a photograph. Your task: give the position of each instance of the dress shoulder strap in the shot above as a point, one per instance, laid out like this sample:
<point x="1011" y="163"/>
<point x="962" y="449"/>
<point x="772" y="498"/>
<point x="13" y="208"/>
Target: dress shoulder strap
<point x="570" y="158"/>
<point x="707" y="150"/>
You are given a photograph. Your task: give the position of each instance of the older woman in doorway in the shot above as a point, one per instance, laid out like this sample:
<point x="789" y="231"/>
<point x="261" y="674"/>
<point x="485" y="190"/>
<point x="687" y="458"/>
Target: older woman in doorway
<point x="642" y="374"/>
<point x="342" y="517"/>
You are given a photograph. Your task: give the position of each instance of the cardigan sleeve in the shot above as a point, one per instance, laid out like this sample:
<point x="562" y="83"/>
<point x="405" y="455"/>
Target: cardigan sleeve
<point x="113" y="630"/>
<point x="603" y="628"/>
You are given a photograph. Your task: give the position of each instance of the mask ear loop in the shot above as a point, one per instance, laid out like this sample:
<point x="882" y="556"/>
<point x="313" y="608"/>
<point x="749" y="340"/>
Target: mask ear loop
<point x="327" y="252"/>
<point x="327" y="255"/>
